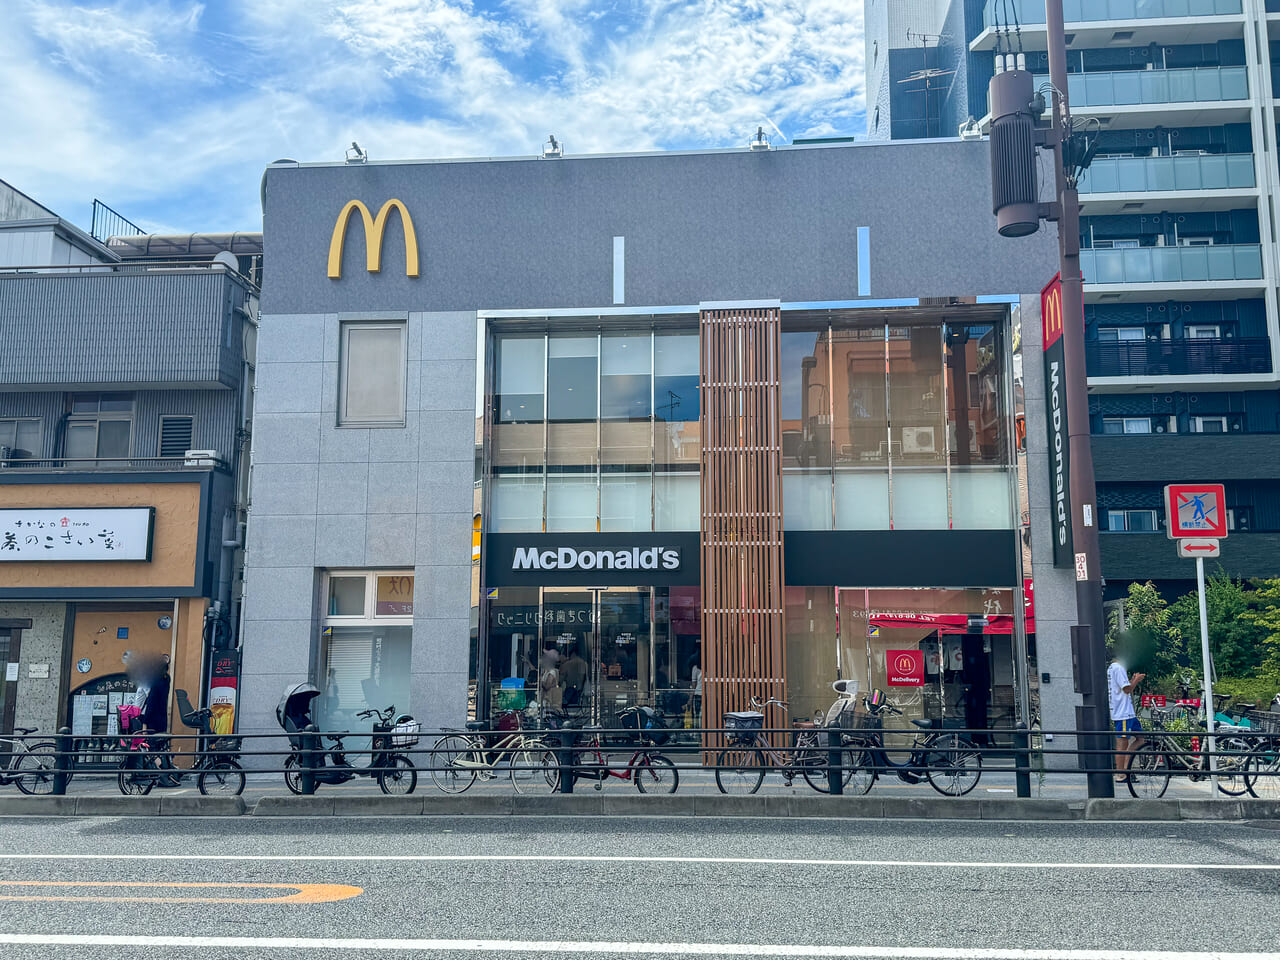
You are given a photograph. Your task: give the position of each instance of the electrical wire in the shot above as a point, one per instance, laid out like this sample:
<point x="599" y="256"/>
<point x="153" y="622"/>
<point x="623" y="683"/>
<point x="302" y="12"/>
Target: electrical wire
<point x="1017" y="27"/>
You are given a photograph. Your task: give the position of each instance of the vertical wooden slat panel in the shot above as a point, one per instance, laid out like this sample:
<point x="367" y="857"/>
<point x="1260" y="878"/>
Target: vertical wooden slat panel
<point x="742" y="592"/>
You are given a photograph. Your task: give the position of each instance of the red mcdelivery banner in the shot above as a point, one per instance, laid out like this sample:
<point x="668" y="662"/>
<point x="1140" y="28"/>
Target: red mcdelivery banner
<point x="904" y="668"/>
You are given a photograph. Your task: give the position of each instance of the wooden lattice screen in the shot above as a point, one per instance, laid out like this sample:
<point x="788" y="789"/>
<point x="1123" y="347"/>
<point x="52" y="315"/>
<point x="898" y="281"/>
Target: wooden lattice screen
<point x="742" y="597"/>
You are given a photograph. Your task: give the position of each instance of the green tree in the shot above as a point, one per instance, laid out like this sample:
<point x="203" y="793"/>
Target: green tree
<point x="1154" y="636"/>
<point x="1235" y="642"/>
<point x="1264" y="616"/>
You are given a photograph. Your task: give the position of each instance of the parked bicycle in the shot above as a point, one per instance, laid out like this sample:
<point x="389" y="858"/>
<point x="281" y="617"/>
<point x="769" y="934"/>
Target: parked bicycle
<point x="650" y="770"/>
<point x="1262" y="771"/>
<point x="1179" y="747"/>
<point x="29" y="767"/>
<point x="147" y="762"/>
<point x="388" y="764"/>
<point x="949" y="760"/>
<point x="741" y="766"/>
<point x="458" y="759"/>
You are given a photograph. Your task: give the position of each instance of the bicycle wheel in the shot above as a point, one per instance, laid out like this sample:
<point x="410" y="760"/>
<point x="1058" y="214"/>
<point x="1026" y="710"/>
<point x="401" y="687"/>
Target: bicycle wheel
<point x="529" y="769"/>
<point x="293" y="774"/>
<point x="1233" y="758"/>
<point x="137" y="776"/>
<point x="1262" y="773"/>
<point x="813" y="764"/>
<point x="401" y="776"/>
<point x="655" y="773"/>
<point x="953" y="765"/>
<point x="222" y="778"/>
<point x="34" y="769"/>
<point x="740" y="770"/>
<point x="1148" y="773"/>
<point x="859" y="771"/>
<point x="446" y="773"/>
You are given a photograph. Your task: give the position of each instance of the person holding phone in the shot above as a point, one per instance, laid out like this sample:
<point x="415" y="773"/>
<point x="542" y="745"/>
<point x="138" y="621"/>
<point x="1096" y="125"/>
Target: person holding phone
<point x="1120" y="687"/>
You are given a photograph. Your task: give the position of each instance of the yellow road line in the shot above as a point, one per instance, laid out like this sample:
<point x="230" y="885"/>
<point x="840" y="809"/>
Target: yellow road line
<point x="302" y="892"/>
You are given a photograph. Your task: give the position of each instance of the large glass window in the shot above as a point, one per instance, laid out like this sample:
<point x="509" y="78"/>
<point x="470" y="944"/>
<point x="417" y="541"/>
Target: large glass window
<point x="100" y="426"/>
<point x="806" y="429"/>
<point x="366" y="646"/>
<point x="626" y="362"/>
<point x="571" y="378"/>
<point x="860" y="428"/>
<point x="371" y="378"/>
<point x="520" y="379"/>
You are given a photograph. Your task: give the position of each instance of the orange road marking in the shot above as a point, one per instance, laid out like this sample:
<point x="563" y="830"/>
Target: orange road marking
<point x="302" y="892"/>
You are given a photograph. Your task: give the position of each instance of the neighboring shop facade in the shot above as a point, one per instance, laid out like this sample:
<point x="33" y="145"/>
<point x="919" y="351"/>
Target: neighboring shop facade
<point x="748" y="421"/>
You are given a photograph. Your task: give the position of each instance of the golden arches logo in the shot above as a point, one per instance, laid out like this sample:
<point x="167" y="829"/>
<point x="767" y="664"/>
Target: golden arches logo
<point x="905" y="664"/>
<point x="374" y="227"/>
<point x="1052" y="308"/>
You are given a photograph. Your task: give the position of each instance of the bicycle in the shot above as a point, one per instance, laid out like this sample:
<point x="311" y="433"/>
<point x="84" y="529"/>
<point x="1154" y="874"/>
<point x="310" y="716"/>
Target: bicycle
<point x="1180" y="750"/>
<point x="29" y="768"/>
<point x="741" y="766"/>
<point x="458" y="759"/>
<point x="395" y="773"/>
<point x="951" y="762"/>
<point x="216" y="768"/>
<point x="650" y="770"/>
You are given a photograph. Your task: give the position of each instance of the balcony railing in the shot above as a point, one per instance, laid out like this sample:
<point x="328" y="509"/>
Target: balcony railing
<point x="1082" y="11"/>
<point x="1137" y="358"/>
<point x="1237" y="261"/>
<point x="1133" y="87"/>
<point x="115" y="464"/>
<point x="1139" y="174"/>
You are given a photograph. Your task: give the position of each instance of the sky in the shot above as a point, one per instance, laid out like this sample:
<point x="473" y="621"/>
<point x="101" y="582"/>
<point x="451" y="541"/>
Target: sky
<point x="169" y="111"/>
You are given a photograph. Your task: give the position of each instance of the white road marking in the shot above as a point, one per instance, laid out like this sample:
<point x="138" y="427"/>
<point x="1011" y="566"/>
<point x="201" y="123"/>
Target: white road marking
<point x="569" y="858"/>
<point x="617" y="947"/>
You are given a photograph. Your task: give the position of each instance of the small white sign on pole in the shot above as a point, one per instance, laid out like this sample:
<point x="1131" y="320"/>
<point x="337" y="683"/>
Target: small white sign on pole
<point x="1203" y="547"/>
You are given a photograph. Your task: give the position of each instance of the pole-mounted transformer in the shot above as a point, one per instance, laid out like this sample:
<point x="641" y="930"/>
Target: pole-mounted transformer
<point x="1014" y="192"/>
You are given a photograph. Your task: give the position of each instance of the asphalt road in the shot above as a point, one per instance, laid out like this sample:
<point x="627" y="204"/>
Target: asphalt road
<point x="644" y="886"/>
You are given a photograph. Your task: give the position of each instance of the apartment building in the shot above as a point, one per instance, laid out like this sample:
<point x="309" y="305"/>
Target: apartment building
<point x="1178" y="231"/>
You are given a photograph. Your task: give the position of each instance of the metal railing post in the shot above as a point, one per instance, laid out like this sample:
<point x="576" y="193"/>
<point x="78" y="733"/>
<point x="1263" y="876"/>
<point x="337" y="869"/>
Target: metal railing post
<point x="835" y="772"/>
<point x="63" y="762"/>
<point x="1022" y="760"/>
<point x="307" y="759"/>
<point x="564" y="759"/>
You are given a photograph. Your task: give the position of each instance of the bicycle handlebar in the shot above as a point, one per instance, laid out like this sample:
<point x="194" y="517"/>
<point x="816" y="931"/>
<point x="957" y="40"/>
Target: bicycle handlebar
<point x="771" y="702"/>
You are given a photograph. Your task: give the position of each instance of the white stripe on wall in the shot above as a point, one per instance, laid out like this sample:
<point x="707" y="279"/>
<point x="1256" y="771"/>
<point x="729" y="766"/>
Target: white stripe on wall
<point x="619" y="269"/>
<point x="864" y="261"/>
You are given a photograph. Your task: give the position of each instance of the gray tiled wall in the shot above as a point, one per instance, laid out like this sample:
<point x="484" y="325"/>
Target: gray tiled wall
<point x="325" y="496"/>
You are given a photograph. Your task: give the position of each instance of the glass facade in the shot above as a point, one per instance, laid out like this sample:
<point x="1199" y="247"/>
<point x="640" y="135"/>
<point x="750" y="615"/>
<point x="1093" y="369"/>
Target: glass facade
<point x="890" y="420"/>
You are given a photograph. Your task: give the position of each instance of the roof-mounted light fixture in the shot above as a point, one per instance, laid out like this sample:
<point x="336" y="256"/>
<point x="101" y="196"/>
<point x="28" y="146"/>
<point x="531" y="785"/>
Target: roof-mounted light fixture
<point x="356" y="153"/>
<point x="552" y="149"/>
<point x="761" y="142"/>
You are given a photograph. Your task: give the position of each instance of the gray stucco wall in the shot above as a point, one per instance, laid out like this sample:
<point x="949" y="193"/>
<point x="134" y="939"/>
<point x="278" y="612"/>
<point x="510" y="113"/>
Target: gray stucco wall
<point x="325" y="496"/>
<point x="39" y="701"/>
<point x="1055" y="588"/>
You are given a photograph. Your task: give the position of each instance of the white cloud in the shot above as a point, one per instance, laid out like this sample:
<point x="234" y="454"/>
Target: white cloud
<point x="171" y="111"/>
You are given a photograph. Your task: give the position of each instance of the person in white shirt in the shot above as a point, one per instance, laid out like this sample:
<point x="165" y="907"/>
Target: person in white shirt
<point x="1120" y="687"/>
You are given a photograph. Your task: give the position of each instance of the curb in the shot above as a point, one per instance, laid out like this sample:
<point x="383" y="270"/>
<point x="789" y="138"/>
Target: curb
<point x="639" y="805"/>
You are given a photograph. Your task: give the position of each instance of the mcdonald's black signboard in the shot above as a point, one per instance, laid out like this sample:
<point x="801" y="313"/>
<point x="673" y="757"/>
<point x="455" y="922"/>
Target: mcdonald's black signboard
<point x="1055" y="395"/>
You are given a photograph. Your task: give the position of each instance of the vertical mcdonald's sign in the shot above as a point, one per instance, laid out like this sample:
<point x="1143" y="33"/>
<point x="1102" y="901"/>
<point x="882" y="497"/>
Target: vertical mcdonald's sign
<point x="1055" y="415"/>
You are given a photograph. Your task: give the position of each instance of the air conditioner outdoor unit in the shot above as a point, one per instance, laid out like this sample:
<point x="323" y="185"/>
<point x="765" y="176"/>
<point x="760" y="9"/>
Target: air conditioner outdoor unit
<point x="918" y="440"/>
<point x="200" y="458"/>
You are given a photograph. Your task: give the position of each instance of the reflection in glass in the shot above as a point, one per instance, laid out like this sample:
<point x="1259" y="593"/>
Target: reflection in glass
<point x="625" y="381"/>
<point x="806" y="399"/>
<point x="571" y="378"/>
<point x="518" y="385"/>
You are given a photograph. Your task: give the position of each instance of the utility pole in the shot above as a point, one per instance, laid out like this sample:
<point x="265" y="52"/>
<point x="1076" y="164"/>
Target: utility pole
<point x="1015" y="108"/>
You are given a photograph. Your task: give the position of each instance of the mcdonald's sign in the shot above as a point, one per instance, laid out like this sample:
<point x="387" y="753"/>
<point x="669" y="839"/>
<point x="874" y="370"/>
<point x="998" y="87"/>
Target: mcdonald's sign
<point x="1055" y="415"/>
<point x="374" y="228"/>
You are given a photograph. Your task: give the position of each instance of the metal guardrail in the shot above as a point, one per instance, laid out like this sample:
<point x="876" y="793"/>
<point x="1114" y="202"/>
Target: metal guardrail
<point x="116" y="463"/>
<point x="832" y="760"/>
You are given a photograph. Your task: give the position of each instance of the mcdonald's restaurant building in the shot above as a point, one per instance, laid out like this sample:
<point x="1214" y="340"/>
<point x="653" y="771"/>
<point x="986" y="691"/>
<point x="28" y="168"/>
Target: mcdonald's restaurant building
<point x="707" y="424"/>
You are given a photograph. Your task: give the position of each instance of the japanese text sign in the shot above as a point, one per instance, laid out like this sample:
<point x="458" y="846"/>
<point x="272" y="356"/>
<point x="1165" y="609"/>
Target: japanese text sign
<point x="905" y="668"/>
<point x="98" y="533"/>
<point x="1196" y="510"/>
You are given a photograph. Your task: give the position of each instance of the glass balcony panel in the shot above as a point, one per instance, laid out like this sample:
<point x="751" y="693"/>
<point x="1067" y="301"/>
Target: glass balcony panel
<point x="1213" y="173"/>
<point x="1162" y="173"/>
<point x="1131" y="174"/>
<point x="1094" y="9"/>
<point x="1239" y="170"/>
<point x="1075" y="11"/>
<point x="1103" y="176"/>
<point x="1235" y="83"/>
<point x="1248" y="261"/>
<point x="1176" y="86"/>
<point x="1193" y="262"/>
<point x="1136" y="266"/>
<point x="1126" y="88"/>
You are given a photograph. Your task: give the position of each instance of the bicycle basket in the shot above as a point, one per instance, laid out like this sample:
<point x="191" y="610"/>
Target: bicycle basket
<point x="860" y="720"/>
<point x="1264" y="721"/>
<point x="743" y="726"/>
<point x="225" y="745"/>
<point x="405" y="733"/>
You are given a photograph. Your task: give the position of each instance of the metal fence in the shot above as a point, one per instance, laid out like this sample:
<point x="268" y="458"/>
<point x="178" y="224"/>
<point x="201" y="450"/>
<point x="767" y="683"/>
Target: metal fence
<point x="845" y="760"/>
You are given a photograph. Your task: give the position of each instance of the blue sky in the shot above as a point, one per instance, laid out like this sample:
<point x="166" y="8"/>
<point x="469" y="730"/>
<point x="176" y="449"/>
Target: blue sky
<point x="168" y="111"/>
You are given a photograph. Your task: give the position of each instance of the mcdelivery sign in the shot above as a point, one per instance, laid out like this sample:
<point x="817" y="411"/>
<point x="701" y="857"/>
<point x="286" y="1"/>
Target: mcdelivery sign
<point x="1055" y="389"/>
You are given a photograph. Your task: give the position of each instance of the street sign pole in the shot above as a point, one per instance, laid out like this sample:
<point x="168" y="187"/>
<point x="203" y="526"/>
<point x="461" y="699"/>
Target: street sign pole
<point x="1210" y="719"/>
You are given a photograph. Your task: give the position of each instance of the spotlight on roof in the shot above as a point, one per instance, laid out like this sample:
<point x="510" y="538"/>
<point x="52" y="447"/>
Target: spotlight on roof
<point x="552" y="149"/>
<point x="970" y="130"/>
<point x="356" y="153"/>
<point x="761" y="142"/>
